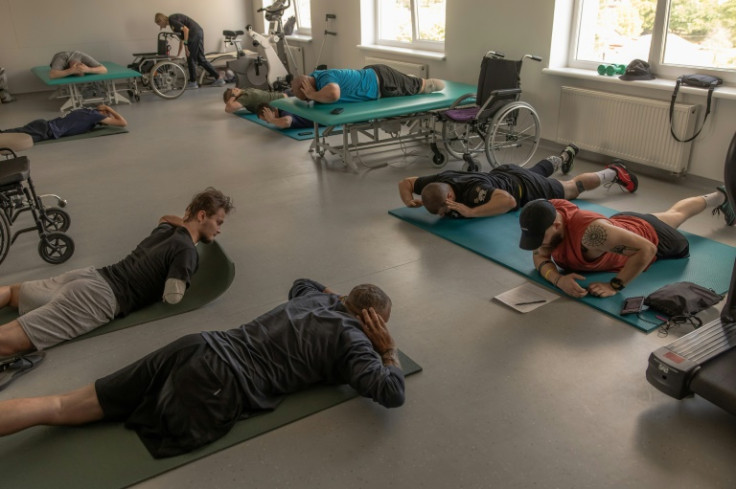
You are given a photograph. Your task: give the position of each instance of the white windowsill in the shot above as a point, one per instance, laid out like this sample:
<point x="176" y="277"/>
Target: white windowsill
<point x="663" y="84"/>
<point x="299" y="38"/>
<point x="415" y="53"/>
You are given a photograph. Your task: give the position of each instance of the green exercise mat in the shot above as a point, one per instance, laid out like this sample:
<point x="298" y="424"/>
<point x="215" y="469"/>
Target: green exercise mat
<point x="215" y="274"/>
<point x="96" y="132"/>
<point x="300" y="134"/>
<point x="106" y="455"/>
<point x="497" y="238"/>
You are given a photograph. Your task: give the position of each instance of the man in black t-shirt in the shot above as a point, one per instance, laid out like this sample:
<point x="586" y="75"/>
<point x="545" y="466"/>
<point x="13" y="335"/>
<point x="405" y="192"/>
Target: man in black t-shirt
<point x="192" y="391"/>
<point x="192" y="38"/>
<point x="507" y="187"/>
<point x="63" y="307"/>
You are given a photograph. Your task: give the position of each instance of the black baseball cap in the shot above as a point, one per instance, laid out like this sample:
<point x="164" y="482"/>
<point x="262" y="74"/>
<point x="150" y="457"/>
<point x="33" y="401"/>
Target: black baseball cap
<point x="535" y="218"/>
<point x="638" y="69"/>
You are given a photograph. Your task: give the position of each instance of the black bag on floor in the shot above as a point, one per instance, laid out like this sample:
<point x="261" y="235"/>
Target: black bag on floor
<point x="682" y="300"/>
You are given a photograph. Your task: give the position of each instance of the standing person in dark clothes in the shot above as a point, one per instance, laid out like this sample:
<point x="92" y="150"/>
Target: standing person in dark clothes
<point x="60" y="308"/>
<point x="192" y="38"/>
<point x="191" y="392"/>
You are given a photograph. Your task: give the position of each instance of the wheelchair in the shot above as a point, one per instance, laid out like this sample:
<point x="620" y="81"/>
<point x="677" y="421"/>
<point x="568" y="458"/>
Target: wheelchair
<point x="498" y="124"/>
<point x="17" y="196"/>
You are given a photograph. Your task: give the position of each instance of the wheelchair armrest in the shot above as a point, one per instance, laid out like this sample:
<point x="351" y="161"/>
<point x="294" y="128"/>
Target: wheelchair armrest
<point x="461" y="99"/>
<point x="499" y="95"/>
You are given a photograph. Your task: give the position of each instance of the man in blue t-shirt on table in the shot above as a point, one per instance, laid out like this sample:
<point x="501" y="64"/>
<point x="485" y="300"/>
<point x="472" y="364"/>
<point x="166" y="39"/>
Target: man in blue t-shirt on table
<point x="370" y="83"/>
<point x="75" y="122"/>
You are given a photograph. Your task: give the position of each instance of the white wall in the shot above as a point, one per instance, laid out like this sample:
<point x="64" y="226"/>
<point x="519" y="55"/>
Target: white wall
<point x="31" y="31"/>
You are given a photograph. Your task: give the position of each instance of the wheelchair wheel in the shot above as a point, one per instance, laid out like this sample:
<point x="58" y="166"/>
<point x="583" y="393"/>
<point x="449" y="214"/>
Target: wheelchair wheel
<point x="513" y="136"/>
<point x="454" y="137"/>
<point x="168" y="79"/>
<point x="57" y="220"/>
<point x="4" y="236"/>
<point x="56" y="248"/>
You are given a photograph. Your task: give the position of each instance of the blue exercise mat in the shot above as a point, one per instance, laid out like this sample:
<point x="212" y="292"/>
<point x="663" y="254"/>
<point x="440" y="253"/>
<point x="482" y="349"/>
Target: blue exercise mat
<point x="300" y="134"/>
<point x="497" y="238"/>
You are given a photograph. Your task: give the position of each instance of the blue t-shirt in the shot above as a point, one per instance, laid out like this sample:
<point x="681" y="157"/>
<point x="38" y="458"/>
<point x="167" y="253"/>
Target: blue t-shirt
<point x="355" y="85"/>
<point x="75" y="122"/>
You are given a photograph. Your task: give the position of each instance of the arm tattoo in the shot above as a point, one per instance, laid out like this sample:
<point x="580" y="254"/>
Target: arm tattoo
<point x="594" y="236"/>
<point x="624" y="250"/>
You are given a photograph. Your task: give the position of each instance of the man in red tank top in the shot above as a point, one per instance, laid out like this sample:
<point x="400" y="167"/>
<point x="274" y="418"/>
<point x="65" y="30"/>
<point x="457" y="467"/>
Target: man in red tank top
<point x="575" y="240"/>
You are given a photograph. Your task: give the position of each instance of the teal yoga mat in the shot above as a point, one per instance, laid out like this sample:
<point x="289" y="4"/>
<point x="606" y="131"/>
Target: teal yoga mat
<point x="497" y="238"/>
<point x="106" y="455"/>
<point x="300" y="134"/>
<point x="214" y="276"/>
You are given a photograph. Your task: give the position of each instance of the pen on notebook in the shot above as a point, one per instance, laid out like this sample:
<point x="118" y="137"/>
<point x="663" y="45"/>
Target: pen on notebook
<point x="530" y="302"/>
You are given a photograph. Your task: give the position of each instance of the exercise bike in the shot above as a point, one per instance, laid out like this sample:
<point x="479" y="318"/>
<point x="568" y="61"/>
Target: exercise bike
<point x="268" y="68"/>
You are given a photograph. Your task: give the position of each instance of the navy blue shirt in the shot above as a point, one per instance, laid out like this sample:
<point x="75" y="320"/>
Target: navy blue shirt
<point x="75" y="122"/>
<point x="311" y="339"/>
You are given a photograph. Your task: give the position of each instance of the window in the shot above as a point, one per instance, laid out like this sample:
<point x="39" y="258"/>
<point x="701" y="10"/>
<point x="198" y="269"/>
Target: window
<point x="415" y="24"/>
<point x="675" y="36"/>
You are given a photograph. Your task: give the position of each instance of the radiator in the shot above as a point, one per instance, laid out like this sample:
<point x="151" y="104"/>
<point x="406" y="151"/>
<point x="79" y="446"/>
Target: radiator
<point x="416" y="69"/>
<point x="296" y="59"/>
<point x="631" y="128"/>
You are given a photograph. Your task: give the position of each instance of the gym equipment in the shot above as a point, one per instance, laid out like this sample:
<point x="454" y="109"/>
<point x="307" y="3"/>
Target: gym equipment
<point x="703" y="361"/>
<point x="268" y="69"/>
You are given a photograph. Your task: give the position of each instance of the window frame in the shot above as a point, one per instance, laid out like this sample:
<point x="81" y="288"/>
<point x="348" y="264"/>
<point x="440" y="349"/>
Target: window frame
<point x="656" y="49"/>
<point x="415" y="44"/>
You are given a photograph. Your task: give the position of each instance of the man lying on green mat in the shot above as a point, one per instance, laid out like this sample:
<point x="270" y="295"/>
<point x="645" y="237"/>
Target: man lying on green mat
<point x="66" y="306"/>
<point x="257" y="101"/>
<point x="627" y="243"/>
<point x="192" y="392"/>
<point x="507" y="187"/>
<point x="75" y="122"/>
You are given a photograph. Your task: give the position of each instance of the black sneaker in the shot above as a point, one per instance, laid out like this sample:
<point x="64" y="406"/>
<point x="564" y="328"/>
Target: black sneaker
<point x="624" y="178"/>
<point x="570" y="150"/>
<point x="728" y="214"/>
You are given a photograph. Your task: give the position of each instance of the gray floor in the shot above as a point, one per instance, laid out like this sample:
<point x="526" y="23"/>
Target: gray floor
<point x="553" y="398"/>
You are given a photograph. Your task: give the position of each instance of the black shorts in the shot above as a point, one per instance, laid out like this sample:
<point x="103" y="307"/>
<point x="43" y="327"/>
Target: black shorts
<point x="393" y="83"/>
<point x="532" y="183"/>
<point x="177" y="398"/>
<point x="672" y="243"/>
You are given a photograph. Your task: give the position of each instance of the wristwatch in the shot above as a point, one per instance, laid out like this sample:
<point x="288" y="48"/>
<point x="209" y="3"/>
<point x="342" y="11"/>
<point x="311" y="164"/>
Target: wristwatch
<point x="617" y="284"/>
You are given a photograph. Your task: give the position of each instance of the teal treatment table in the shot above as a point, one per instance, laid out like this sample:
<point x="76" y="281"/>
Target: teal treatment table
<point x="384" y="122"/>
<point x="71" y="87"/>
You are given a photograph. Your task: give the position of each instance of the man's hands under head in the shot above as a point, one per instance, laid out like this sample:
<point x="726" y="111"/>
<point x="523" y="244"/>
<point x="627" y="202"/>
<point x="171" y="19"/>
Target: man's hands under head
<point x="375" y="329"/>
<point x="307" y="89"/>
<point x="569" y="285"/>
<point x="461" y="209"/>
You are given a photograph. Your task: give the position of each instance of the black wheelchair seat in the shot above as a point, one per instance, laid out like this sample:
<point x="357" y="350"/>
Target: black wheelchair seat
<point x="15" y="170"/>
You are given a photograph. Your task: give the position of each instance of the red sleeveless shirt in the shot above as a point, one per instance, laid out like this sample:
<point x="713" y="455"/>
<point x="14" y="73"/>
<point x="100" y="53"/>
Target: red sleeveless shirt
<point x="569" y="253"/>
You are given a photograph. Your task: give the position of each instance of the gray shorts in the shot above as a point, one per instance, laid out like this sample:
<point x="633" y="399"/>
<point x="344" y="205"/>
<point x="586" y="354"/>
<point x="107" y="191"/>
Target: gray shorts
<point x="60" y="308"/>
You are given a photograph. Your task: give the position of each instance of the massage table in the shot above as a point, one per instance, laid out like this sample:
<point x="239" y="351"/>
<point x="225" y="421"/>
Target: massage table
<point x="72" y="87"/>
<point x="379" y="121"/>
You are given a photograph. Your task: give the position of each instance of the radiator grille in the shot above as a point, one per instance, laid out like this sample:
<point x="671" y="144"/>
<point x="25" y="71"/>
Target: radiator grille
<point x="631" y="128"/>
<point x="416" y="69"/>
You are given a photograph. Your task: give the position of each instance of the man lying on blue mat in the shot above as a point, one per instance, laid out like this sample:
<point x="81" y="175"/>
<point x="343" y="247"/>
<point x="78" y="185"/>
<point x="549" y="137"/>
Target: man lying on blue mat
<point x="460" y="194"/>
<point x="77" y="121"/>
<point x="370" y="83"/>
<point x="577" y="240"/>
<point x="257" y="101"/>
<point x="60" y="308"/>
<point x="192" y="392"/>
